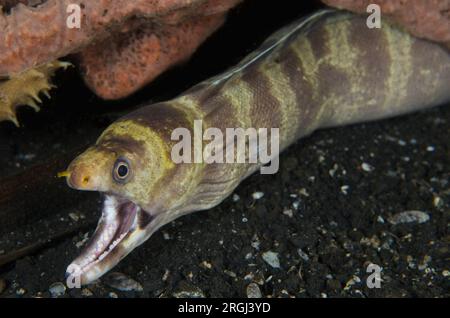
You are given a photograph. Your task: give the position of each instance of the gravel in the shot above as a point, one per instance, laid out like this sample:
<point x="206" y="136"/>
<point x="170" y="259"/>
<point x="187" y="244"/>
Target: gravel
<point x="57" y="289"/>
<point x="253" y="291"/>
<point x="409" y="217"/>
<point x="122" y="282"/>
<point x="271" y="258"/>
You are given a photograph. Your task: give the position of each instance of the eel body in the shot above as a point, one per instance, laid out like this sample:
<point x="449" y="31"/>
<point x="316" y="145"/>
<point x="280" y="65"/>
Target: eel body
<point x="325" y="70"/>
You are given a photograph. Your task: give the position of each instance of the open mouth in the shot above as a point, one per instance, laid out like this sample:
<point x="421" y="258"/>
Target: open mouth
<point x="119" y="220"/>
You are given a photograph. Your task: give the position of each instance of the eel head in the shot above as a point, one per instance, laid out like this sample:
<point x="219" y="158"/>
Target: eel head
<point x="141" y="188"/>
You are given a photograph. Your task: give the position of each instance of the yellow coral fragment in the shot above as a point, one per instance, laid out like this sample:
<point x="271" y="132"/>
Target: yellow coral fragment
<point x="24" y="89"/>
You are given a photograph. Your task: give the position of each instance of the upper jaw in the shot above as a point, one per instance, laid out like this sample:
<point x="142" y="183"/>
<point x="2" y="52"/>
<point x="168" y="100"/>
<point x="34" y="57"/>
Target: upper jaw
<point x="118" y="232"/>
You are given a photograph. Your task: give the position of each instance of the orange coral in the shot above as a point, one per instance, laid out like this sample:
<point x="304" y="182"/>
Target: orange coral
<point x="115" y="69"/>
<point x="123" y="44"/>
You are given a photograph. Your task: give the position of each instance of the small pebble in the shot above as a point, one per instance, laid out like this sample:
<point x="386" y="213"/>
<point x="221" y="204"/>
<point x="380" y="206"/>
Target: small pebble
<point x="303" y="255"/>
<point x="373" y="241"/>
<point x="257" y="195"/>
<point x="296" y="205"/>
<point x="113" y="295"/>
<point x="75" y="217"/>
<point x="354" y="280"/>
<point x="207" y="264"/>
<point x="409" y="217"/>
<point x="230" y="273"/>
<point x="333" y="170"/>
<point x="410" y="261"/>
<point x="424" y="263"/>
<point x="303" y="192"/>
<point x="253" y="291"/>
<point x="166" y="275"/>
<point x="445" y="273"/>
<point x="255" y="242"/>
<point x="430" y="148"/>
<point x="249" y="276"/>
<point x="193" y="293"/>
<point x="86" y="293"/>
<point x="438" y="202"/>
<point x="288" y="212"/>
<point x="236" y="198"/>
<point x="122" y="282"/>
<point x="57" y="289"/>
<point x="344" y="189"/>
<point x="271" y="258"/>
<point x="367" y="167"/>
<point x="20" y="292"/>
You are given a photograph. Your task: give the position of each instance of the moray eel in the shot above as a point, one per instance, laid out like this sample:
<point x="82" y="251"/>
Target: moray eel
<point x="328" y="69"/>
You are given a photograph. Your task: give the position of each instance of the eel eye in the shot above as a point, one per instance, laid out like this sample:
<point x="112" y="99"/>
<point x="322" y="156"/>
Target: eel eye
<point x="121" y="170"/>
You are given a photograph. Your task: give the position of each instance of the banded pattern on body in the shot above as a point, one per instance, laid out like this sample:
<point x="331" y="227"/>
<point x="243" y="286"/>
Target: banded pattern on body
<point x="325" y="70"/>
<point x="332" y="71"/>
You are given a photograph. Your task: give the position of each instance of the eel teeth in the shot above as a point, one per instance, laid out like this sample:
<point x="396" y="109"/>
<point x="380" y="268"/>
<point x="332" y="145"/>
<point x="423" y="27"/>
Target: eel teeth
<point x="24" y="89"/>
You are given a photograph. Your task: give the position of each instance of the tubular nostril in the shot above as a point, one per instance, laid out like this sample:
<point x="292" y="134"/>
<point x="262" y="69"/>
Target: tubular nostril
<point x="79" y="179"/>
<point x="85" y="180"/>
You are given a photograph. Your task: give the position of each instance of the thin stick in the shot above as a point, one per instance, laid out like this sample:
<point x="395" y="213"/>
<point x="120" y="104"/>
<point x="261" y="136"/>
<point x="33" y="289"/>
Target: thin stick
<point x="36" y="193"/>
<point x="41" y="244"/>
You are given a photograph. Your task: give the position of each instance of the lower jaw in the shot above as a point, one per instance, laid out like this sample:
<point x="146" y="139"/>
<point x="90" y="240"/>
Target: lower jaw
<point x="118" y="222"/>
